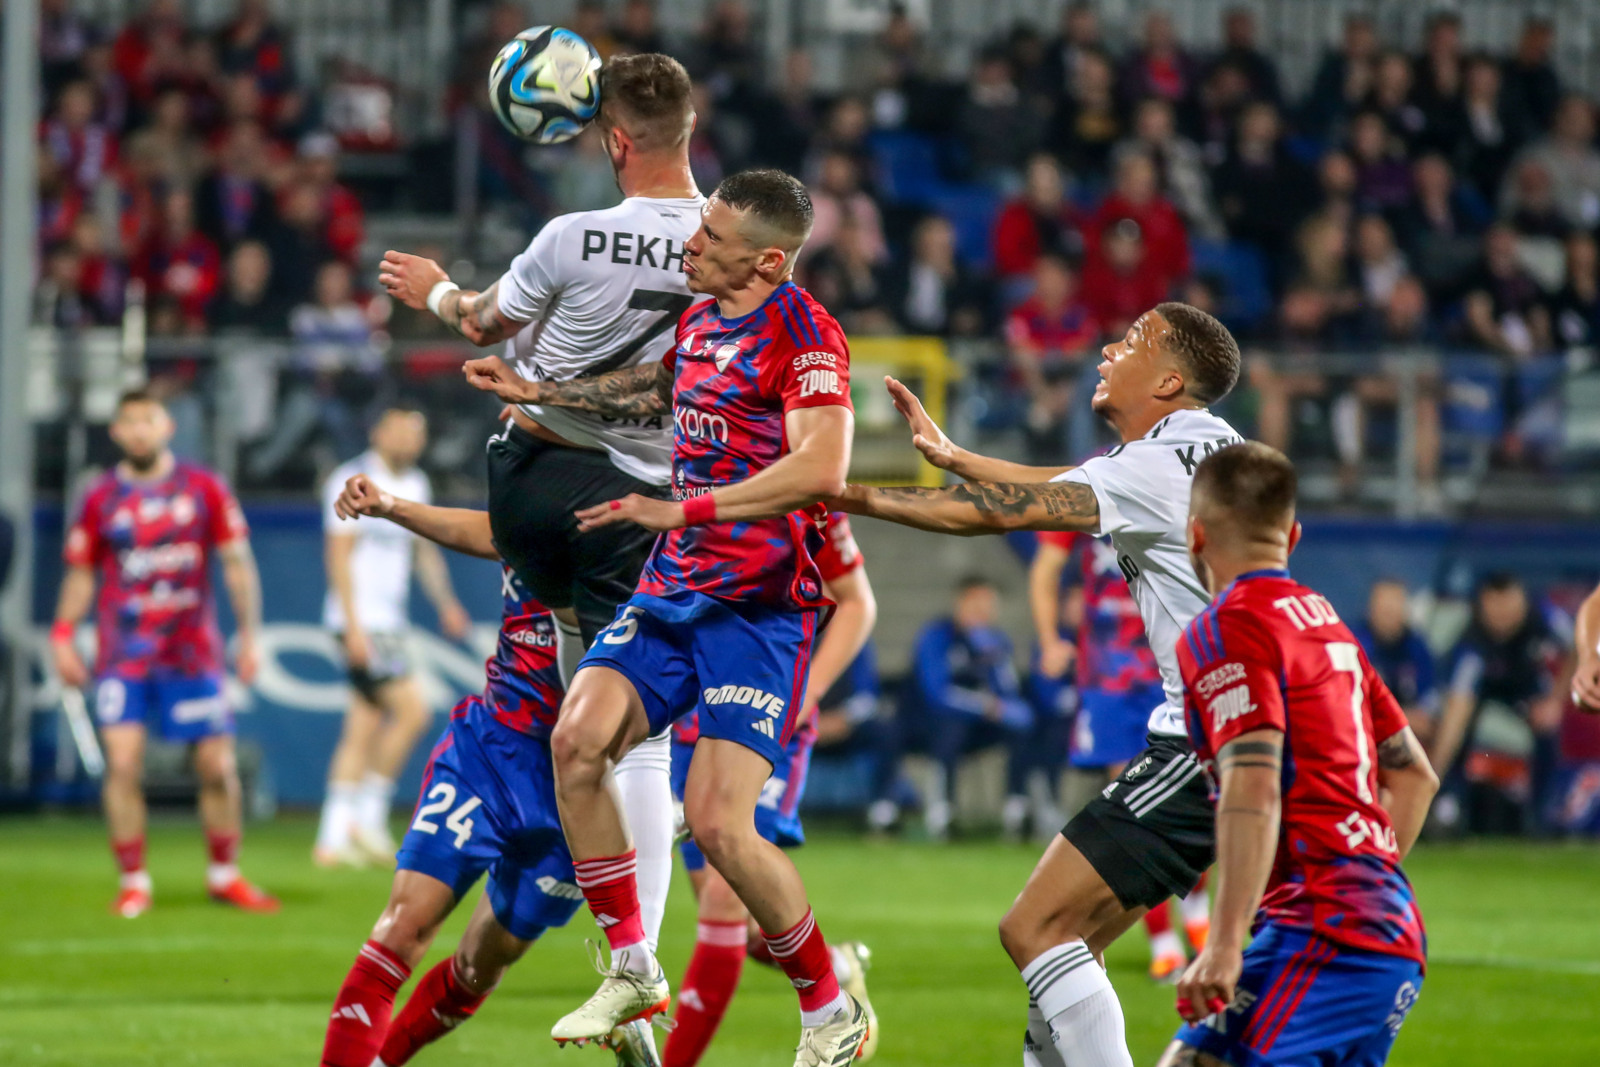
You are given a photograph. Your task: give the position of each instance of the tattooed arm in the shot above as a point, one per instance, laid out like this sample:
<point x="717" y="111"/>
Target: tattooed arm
<point x="1249" y="770"/>
<point x="979" y="507"/>
<point x="475" y="316"/>
<point x="1408" y="785"/>
<point x="629" y="393"/>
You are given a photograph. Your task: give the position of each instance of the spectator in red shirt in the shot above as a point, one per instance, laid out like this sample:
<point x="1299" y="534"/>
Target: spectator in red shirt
<point x="1039" y="222"/>
<point x="149" y="48"/>
<point x="83" y="148"/>
<point x="179" y="262"/>
<point x="346" y="221"/>
<point x="1118" y="283"/>
<point x="1136" y="195"/>
<point x="1049" y="337"/>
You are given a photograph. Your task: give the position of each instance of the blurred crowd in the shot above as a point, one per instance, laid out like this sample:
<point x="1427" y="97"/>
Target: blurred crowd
<point x="1038" y="200"/>
<point x="1483" y="674"/>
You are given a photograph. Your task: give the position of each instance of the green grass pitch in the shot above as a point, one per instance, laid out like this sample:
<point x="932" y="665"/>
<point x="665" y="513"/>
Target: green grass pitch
<point x="1515" y="974"/>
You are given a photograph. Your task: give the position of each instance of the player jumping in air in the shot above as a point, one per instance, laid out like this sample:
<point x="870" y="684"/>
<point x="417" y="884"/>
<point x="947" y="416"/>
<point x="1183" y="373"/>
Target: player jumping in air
<point x="1119" y="682"/>
<point x="487" y="804"/>
<point x="1149" y="835"/>
<point x="723" y="936"/>
<point x="1321" y="791"/>
<point x="726" y="612"/>
<point x="147" y="532"/>
<point x="595" y="291"/>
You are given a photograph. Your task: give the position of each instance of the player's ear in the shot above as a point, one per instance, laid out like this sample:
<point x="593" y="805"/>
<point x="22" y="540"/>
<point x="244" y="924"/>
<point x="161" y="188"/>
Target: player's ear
<point x="1170" y="386"/>
<point x="1197" y="535"/>
<point x="1294" y="537"/>
<point x="773" y="262"/>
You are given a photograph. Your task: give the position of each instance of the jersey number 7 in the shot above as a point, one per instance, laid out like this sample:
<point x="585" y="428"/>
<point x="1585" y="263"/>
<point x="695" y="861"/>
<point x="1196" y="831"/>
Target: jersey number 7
<point x="673" y="304"/>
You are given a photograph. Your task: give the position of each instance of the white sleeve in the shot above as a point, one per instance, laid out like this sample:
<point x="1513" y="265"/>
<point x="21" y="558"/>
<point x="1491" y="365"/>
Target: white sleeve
<point x="529" y="284"/>
<point x="424" y="489"/>
<point x="1133" y="487"/>
<point x="331" y="522"/>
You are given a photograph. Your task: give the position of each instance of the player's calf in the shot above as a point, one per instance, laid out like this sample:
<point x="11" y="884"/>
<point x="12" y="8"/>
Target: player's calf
<point x="418" y="905"/>
<point x="451" y="993"/>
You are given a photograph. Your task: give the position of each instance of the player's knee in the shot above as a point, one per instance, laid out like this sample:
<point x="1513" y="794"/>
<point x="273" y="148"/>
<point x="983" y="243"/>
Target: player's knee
<point x="214" y="765"/>
<point x="719" y="832"/>
<point x="576" y="746"/>
<point x="406" y="931"/>
<point x="1025" y="932"/>
<point x="124" y="768"/>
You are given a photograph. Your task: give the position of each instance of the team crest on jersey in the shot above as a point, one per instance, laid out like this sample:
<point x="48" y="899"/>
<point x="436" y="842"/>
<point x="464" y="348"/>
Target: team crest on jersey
<point x="725" y="355"/>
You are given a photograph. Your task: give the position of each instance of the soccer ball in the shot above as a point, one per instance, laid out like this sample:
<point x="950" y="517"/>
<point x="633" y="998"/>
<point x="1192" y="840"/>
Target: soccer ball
<point x="544" y="86"/>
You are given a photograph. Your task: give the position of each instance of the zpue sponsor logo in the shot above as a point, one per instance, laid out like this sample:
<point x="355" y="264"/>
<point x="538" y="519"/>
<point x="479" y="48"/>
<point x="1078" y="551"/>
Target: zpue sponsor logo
<point x="1231" y="704"/>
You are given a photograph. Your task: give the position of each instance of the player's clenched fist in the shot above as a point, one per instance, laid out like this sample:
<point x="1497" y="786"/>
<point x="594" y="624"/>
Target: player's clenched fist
<point x="925" y="433"/>
<point x="361" y="496"/>
<point x="1207" y="986"/>
<point x="409" y="279"/>
<point x="647" y="511"/>
<point x="490" y="374"/>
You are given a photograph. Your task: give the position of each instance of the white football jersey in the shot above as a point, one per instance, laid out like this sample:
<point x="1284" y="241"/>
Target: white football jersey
<point x="601" y="290"/>
<point x="1142" y="488"/>
<point x="380" y="566"/>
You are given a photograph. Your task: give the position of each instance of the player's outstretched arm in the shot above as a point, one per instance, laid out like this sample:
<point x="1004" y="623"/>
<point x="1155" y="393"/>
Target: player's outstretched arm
<point x="1044" y="603"/>
<point x="434" y="575"/>
<point x="1408" y="783"/>
<point x="978" y="507"/>
<point x="463" y="529"/>
<point x="243" y="580"/>
<point x="1249" y="802"/>
<point x="421" y="283"/>
<point x="812" y="470"/>
<point x="945" y="454"/>
<point x="1586" y="673"/>
<point x="629" y="393"/>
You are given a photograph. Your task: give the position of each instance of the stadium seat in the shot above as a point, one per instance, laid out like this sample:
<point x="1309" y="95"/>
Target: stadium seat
<point x="1246" y="297"/>
<point x="907" y="164"/>
<point x="972" y="211"/>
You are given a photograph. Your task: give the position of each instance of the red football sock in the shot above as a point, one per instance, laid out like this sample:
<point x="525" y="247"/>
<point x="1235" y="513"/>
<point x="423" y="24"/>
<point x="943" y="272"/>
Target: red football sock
<point x="223" y="847"/>
<point x="1158" y="920"/>
<point x="439" y="1004"/>
<point x="804" y="957"/>
<point x="609" y="885"/>
<point x="361" y="1010"/>
<point x="706" y="991"/>
<point x="758" y="951"/>
<point x="130" y="854"/>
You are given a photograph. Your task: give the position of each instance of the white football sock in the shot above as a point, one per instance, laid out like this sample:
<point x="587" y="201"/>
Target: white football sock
<point x="1075" y="995"/>
<point x="338" y="815"/>
<point x="569" y="650"/>
<point x="373" y="804"/>
<point x="1196" y="907"/>
<point x="1165" y="943"/>
<point x="139" y="879"/>
<point x="821" y="1015"/>
<point x="644" y="778"/>
<point x="1038" y="1046"/>
<point x="220" y="876"/>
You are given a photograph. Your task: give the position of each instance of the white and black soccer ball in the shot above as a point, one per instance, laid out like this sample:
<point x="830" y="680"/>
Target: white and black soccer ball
<point x="544" y="86"/>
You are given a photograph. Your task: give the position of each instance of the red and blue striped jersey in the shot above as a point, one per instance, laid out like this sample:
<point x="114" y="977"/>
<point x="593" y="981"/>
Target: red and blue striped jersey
<point x="1269" y="653"/>
<point x="150" y="544"/>
<point x="1114" y="654"/>
<point x="734" y="380"/>
<point x="523" y="690"/>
